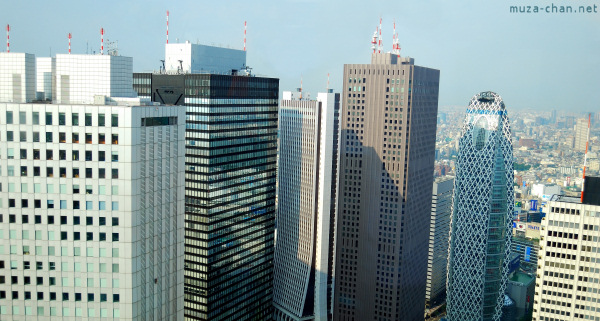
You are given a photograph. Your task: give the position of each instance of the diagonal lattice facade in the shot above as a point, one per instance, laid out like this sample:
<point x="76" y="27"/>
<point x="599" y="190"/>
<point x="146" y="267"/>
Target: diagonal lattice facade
<point x="481" y="213"/>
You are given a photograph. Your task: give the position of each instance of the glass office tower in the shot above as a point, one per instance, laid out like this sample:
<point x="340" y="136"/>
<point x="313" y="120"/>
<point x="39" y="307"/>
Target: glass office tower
<point x="231" y="150"/>
<point x="481" y="223"/>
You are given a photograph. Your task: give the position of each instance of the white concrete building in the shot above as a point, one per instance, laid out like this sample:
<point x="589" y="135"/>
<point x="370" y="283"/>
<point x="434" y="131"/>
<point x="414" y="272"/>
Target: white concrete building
<point x="439" y="240"/>
<point x="195" y="58"/>
<point x="306" y="213"/>
<point x="91" y="205"/>
<point x="17" y="77"/>
<point x="44" y="71"/>
<point x="568" y="275"/>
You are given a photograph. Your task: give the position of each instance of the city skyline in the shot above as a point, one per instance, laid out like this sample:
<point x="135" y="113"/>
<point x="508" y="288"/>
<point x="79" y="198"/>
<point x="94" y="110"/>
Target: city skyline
<point x="520" y="49"/>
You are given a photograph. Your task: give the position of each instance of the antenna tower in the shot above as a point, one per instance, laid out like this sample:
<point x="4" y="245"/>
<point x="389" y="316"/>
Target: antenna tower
<point x="101" y="41"/>
<point x="69" y="43"/>
<point x="167" y="27"/>
<point x="585" y="157"/>
<point x="380" y="46"/>
<point x="396" y="42"/>
<point x="7" y="38"/>
<point x="244" y="35"/>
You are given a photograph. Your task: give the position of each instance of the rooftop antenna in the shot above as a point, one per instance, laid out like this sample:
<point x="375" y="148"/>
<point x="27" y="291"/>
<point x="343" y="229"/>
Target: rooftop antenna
<point x="380" y="46"/>
<point x="328" y="82"/>
<point x="101" y="41"/>
<point x="163" y="65"/>
<point x="69" y="43"/>
<point x="167" y="27"/>
<point x="396" y="42"/>
<point x="7" y="38"/>
<point x="180" y="66"/>
<point x="300" y="86"/>
<point x="585" y="157"/>
<point x="374" y="41"/>
<point x="244" y="35"/>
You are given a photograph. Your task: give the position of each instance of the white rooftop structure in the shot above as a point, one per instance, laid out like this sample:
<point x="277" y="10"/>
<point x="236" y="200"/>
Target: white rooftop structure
<point x="195" y="58"/>
<point x="17" y="77"/>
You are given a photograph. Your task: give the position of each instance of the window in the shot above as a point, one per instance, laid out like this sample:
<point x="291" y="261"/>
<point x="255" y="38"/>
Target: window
<point x="22" y="117"/>
<point x="23" y="153"/>
<point x="116" y="298"/>
<point x="36" y="154"/>
<point x="88" y="119"/>
<point x="115" y="238"/>
<point x="88" y="155"/>
<point x="114" y="156"/>
<point x="102" y="238"/>
<point x="49" y="118"/>
<point x="62" y="171"/>
<point x="76" y="220"/>
<point x="63" y="219"/>
<point x="49" y="172"/>
<point x="62" y="119"/>
<point x="114" y="120"/>
<point x="48" y="137"/>
<point x="75" y="155"/>
<point x="9" y="136"/>
<point x="88" y="205"/>
<point x="115" y="139"/>
<point x="36" y="137"/>
<point x="75" y="138"/>
<point x="115" y="173"/>
<point x="76" y="205"/>
<point x="50" y="205"/>
<point x="115" y="221"/>
<point x="23" y="136"/>
<point x="101" y="156"/>
<point x="101" y="120"/>
<point x="9" y="117"/>
<point x="115" y="206"/>
<point x="49" y="154"/>
<point x="76" y="237"/>
<point x="23" y="170"/>
<point x="88" y="173"/>
<point x="10" y="170"/>
<point x="89" y="236"/>
<point x="75" y="172"/>
<point x="62" y="137"/>
<point x="88" y="138"/>
<point x="102" y="205"/>
<point x="88" y="189"/>
<point x="101" y="173"/>
<point x="101" y="138"/>
<point x="75" y="119"/>
<point x="89" y="220"/>
<point x="102" y="221"/>
<point x="35" y="118"/>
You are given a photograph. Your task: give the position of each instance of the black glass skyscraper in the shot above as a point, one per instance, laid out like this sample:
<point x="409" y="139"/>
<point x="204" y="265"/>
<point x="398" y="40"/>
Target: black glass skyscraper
<point x="231" y="149"/>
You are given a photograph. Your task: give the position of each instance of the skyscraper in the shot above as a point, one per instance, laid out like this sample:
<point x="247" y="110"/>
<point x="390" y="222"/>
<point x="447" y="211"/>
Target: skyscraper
<point x="568" y="271"/>
<point x="91" y="197"/>
<point x="306" y="211"/>
<point x="581" y="130"/>
<point x="387" y="150"/>
<point x="231" y="150"/>
<point x="439" y="233"/>
<point x="481" y="213"/>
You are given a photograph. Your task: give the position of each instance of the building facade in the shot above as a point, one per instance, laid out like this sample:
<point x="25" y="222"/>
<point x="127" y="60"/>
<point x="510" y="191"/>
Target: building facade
<point x="387" y="150"/>
<point x="568" y="272"/>
<point x="439" y="236"/>
<point x="91" y="211"/>
<point x="306" y="211"/>
<point x="581" y="131"/>
<point x="230" y="173"/>
<point x="482" y="210"/>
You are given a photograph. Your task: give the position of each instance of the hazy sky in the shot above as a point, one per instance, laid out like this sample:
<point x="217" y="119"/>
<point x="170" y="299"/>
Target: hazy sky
<point x="533" y="60"/>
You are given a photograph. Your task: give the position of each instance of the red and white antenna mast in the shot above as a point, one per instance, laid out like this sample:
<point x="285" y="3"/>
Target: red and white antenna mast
<point x="167" y="27"/>
<point x="7" y="38"/>
<point x="327" y="81"/>
<point x="396" y="42"/>
<point x="101" y="41"/>
<point x="585" y="157"/>
<point x="69" y="43"/>
<point x="380" y="46"/>
<point x="244" y="35"/>
<point x="374" y="41"/>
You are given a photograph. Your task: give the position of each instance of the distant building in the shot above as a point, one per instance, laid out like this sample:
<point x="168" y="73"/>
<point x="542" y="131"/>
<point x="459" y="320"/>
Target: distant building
<point x="521" y="289"/>
<point x="306" y="212"/>
<point x="542" y="190"/>
<point x="482" y="211"/>
<point x="528" y="142"/>
<point x="567" y="283"/>
<point x="439" y="236"/>
<point x="581" y="131"/>
<point x="196" y="59"/>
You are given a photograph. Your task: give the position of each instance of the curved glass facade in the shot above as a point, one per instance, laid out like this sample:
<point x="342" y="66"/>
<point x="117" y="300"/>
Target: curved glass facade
<point x="481" y="213"/>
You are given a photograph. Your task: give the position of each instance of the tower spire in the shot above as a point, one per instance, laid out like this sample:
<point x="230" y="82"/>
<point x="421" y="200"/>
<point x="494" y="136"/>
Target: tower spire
<point x="167" y="27"/>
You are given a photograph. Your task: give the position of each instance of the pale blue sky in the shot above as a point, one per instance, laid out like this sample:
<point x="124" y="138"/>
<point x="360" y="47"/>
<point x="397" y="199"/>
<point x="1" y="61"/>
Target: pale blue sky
<point x="540" y="61"/>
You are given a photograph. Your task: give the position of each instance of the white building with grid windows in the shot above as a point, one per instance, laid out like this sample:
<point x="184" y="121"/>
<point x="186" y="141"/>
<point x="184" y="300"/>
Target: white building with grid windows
<point x="567" y="286"/>
<point x="17" y="77"/>
<point x="306" y="213"/>
<point x="91" y="208"/>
